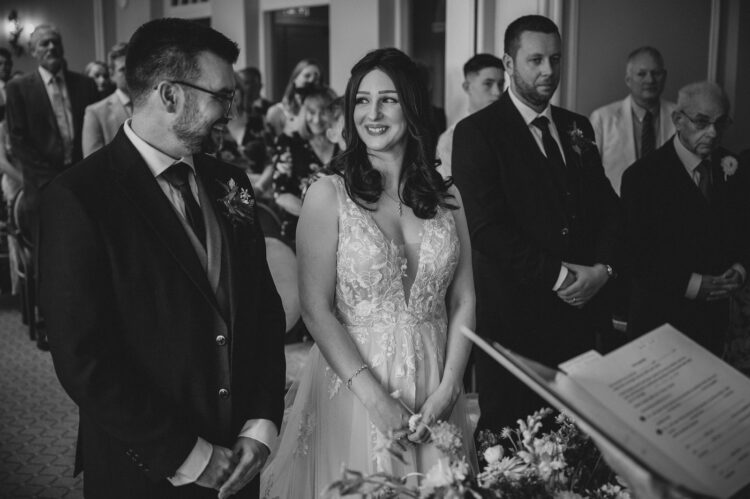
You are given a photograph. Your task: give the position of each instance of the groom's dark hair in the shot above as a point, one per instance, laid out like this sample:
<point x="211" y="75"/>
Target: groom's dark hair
<point x="168" y="49"/>
<point x="539" y="24"/>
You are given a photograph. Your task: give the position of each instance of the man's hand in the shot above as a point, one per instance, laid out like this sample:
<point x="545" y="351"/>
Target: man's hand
<point x="251" y="456"/>
<point x="719" y="287"/>
<point x="219" y="468"/>
<point x="588" y="282"/>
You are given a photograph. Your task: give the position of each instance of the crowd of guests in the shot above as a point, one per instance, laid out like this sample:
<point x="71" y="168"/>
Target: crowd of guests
<point x="638" y="211"/>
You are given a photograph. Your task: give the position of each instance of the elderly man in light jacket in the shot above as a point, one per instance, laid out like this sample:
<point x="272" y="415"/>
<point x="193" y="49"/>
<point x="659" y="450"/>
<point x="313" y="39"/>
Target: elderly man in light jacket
<point x="629" y="129"/>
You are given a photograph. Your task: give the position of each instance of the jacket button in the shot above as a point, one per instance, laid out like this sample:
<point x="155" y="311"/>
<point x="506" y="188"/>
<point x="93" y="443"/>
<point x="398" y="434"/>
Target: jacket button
<point x="564" y="231"/>
<point x="224" y="393"/>
<point x="221" y="340"/>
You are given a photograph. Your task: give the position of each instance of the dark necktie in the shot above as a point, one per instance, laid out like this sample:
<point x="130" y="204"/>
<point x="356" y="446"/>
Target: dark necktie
<point x="704" y="182"/>
<point x="551" y="149"/>
<point x="177" y="175"/>
<point x="648" y="137"/>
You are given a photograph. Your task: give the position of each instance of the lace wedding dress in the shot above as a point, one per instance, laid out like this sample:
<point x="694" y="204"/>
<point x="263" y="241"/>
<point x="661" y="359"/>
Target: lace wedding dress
<point x="396" y="315"/>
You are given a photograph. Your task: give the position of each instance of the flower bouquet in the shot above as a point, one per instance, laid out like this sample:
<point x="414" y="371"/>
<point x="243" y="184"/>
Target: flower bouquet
<point x="525" y="462"/>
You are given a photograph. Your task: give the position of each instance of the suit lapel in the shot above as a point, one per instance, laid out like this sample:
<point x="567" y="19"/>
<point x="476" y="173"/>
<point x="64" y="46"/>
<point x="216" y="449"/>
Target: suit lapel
<point x="148" y="200"/>
<point x="226" y="261"/>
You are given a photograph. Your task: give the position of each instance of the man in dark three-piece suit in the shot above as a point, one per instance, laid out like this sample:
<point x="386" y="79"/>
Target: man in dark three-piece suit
<point x="45" y="115"/>
<point x="688" y="230"/>
<point x="545" y="223"/>
<point x="164" y="324"/>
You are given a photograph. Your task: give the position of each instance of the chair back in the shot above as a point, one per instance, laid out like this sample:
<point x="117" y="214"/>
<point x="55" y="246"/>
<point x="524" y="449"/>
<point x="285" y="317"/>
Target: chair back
<point x="282" y="263"/>
<point x="269" y="221"/>
<point x="18" y="223"/>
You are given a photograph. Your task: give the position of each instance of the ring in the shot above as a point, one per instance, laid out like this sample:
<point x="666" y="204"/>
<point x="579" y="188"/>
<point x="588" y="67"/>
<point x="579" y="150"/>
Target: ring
<point x="574" y="299"/>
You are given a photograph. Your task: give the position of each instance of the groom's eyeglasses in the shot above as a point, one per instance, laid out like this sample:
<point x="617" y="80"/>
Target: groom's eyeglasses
<point x="700" y="123"/>
<point x="226" y="99"/>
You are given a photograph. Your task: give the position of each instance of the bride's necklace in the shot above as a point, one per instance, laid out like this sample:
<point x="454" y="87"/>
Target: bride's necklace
<point x="397" y="201"/>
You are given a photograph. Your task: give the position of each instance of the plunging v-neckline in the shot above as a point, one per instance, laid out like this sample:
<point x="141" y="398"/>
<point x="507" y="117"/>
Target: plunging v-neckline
<point x="392" y="246"/>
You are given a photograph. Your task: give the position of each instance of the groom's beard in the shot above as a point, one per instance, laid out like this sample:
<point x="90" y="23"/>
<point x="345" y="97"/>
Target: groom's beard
<point x="529" y="92"/>
<point x="190" y="128"/>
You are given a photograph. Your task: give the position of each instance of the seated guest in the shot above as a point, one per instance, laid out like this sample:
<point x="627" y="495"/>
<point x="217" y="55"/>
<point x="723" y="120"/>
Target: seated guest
<point x="484" y="76"/>
<point x="104" y="118"/>
<point x="6" y="69"/>
<point x="98" y="71"/>
<point x="688" y="223"/>
<point x="307" y="72"/>
<point x="336" y="122"/>
<point x="629" y="129"/>
<point x="249" y="128"/>
<point x="300" y="157"/>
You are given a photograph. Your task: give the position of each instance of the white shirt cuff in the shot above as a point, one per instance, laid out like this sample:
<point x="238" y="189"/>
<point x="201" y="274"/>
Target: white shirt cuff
<point x="262" y="430"/>
<point x="194" y="465"/>
<point x="694" y="285"/>
<point x="561" y="278"/>
<point x="739" y="268"/>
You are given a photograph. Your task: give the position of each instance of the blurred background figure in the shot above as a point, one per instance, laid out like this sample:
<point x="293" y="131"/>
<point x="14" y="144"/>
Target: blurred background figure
<point x="6" y="69"/>
<point x="44" y="113"/>
<point x="335" y="132"/>
<point x="630" y="129"/>
<point x="98" y="71"/>
<point x="299" y="158"/>
<point x="484" y="78"/>
<point x="103" y="119"/>
<point x="438" y="121"/>
<point x="307" y="72"/>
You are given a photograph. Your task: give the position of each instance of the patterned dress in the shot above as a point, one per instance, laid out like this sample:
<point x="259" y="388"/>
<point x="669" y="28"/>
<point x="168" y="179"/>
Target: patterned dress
<point x="401" y="332"/>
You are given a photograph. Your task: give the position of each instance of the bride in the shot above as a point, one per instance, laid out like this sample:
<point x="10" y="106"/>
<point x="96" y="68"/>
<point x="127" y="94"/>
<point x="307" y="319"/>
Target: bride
<point x="385" y="284"/>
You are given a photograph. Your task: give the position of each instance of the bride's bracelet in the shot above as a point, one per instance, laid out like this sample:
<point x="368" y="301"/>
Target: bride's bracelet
<point x="354" y="375"/>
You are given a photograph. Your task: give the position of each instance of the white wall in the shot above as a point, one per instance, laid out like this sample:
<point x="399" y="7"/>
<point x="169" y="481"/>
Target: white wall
<point x="354" y="28"/>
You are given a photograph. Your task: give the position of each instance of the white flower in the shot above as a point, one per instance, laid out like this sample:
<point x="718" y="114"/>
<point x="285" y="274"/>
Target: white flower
<point x="493" y="454"/>
<point x="566" y="494"/>
<point x="414" y="421"/>
<point x="728" y="166"/>
<point x="440" y="475"/>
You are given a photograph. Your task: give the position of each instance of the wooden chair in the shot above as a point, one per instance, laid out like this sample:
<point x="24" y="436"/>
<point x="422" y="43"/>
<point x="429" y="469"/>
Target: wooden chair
<point x="19" y="237"/>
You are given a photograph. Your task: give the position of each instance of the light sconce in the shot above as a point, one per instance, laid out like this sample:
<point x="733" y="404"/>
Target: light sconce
<point x="14" y="32"/>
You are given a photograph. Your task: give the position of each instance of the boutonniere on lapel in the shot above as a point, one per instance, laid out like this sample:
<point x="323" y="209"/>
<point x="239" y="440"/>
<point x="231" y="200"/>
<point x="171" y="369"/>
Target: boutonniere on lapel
<point x="578" y="140"/>
<point x="238" y="204"/>
<point x="729" y="166"/>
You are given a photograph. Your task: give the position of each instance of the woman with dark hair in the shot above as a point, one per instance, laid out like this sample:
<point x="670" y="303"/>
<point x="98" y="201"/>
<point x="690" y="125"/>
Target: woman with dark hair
<point x="385" y="285"/>
<point x="307" y="72"/>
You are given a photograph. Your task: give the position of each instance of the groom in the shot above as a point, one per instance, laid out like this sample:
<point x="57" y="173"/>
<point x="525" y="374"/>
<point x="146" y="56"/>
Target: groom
<point x="545" y="223"/>
<point x="164" y="323"/>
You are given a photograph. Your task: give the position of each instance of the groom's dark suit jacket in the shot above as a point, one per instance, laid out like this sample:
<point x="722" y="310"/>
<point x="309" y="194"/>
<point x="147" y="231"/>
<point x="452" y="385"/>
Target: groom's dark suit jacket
<point x="674" y="231"/>
<point x="134" y="324"/>
<point x="524" y="220"/>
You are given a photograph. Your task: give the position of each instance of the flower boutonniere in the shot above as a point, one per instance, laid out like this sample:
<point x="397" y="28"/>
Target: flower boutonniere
<point x="581" y="144"/>
<point x="239" y="205"/>
<point x="729" y="166"/>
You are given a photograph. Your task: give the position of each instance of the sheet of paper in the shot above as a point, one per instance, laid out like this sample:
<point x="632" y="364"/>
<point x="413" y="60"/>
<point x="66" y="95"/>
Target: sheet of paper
<point x="686" y="401"/>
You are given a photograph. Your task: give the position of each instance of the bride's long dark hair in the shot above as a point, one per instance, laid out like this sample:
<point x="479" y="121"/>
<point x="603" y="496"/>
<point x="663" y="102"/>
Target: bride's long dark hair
<point x="424" y="188"/>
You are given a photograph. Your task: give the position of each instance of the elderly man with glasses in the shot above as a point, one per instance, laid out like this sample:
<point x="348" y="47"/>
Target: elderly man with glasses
<point x="688" y="220"/>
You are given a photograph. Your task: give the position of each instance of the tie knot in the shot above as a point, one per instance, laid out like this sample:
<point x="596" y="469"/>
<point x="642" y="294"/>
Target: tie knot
<point x="648" y="117"/>
<point x="541" y="122"/>
<point x="177" y="174"/>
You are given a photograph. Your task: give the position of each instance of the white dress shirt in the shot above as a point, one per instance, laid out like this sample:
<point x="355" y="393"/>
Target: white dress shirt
<point x="691" y="161"/>
<point x="262" y="430"/>
<point x="529" y="115"/>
